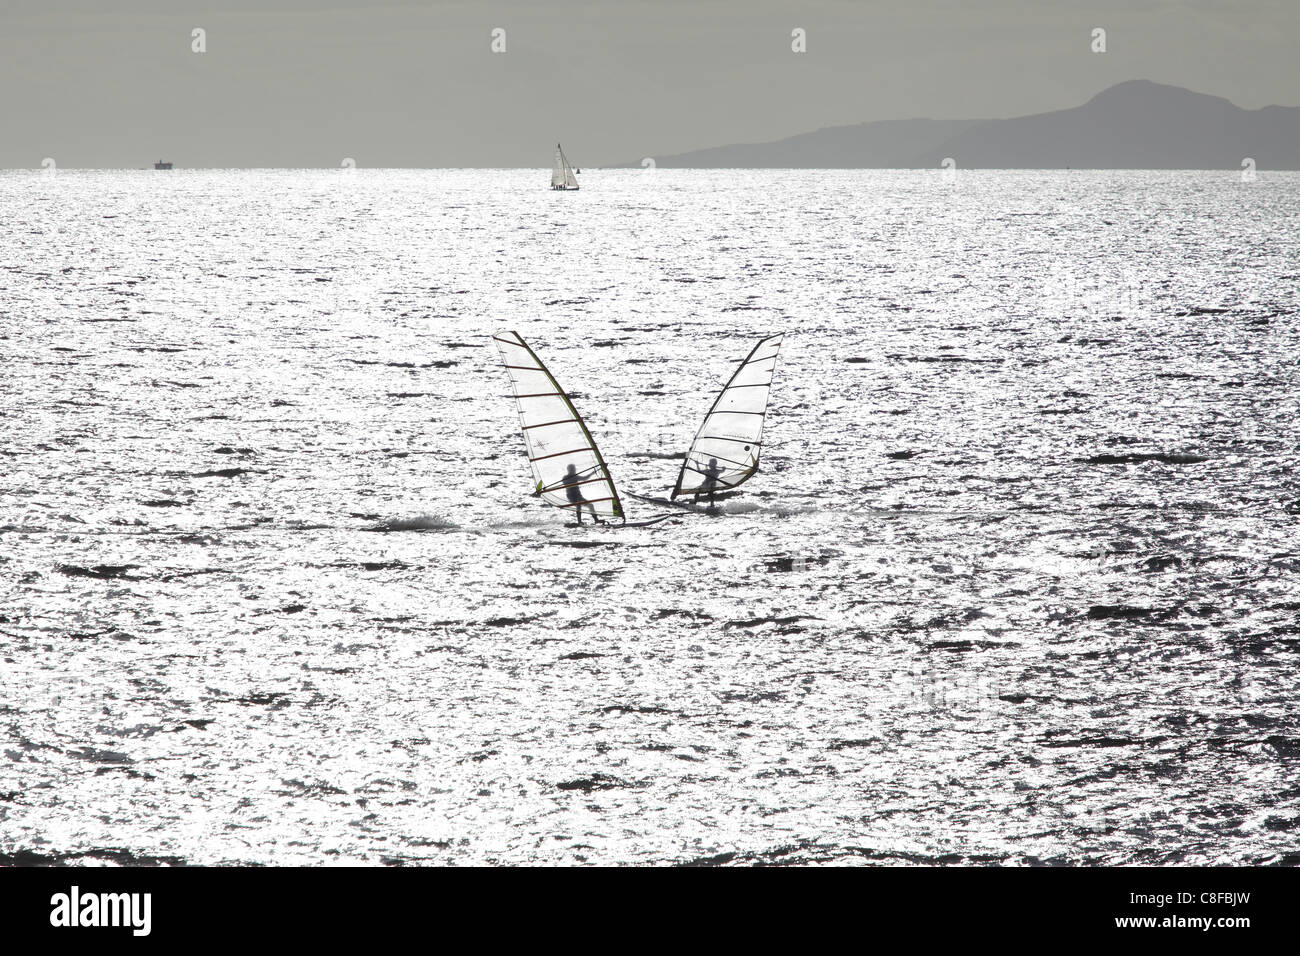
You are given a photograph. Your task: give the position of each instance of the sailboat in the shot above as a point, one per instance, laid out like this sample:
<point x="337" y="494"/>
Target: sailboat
<point x="567" y="466"/>
<point x="562" y="173"/>
<point x="727" y="447"/>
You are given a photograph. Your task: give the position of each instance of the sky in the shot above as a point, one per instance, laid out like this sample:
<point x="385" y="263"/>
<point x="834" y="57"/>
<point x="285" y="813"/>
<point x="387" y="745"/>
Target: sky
<point x="307" y="83"/>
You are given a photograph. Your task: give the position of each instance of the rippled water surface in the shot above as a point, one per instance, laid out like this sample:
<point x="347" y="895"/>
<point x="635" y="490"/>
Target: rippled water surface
<point x="1017" y="583"/>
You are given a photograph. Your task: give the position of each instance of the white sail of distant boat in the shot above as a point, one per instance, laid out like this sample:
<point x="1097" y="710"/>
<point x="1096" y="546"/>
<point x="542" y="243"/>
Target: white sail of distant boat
<point x="727" y="447"/>
<point x="568" y="469"/>
<point x="562" y="173"/>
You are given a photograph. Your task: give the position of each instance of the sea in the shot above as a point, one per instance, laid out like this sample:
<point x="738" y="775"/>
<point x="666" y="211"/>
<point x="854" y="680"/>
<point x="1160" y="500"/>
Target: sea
<point x="1017" y="582"/>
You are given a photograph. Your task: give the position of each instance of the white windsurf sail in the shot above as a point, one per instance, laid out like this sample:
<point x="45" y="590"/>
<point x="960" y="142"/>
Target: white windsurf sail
<point x="562" y="173"/>
<point x="568" y="469"/>
<point x="727" y="447"/>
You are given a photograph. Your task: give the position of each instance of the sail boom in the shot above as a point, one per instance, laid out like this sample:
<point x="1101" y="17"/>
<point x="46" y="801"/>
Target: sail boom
<point x="724" y="461"/>
<point x="572" y="484"/>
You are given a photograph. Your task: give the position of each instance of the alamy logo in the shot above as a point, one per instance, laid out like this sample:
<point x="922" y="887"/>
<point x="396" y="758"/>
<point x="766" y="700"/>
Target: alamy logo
<point x="102" y="909"/>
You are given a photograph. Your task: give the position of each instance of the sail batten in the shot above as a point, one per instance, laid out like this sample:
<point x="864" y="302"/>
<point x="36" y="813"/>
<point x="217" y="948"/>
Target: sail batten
<point x="714" y="464"/>
<point x="568" y="469"/>
<point x="563" y="421"/>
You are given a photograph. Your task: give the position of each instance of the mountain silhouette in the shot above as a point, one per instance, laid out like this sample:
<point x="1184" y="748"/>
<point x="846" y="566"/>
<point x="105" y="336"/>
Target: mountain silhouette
<point x="1133" y="125"/>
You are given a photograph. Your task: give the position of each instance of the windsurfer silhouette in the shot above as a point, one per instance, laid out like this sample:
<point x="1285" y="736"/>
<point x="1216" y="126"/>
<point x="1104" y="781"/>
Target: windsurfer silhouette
<point x="711" y="475"/>
<point x="570" y="483"/>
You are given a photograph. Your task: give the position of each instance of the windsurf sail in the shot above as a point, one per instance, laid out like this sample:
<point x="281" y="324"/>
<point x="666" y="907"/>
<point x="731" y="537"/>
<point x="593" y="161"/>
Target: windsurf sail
<point x="728" y="445"/>
<point x="568" y="470"/>
<point x="562" y="173"/>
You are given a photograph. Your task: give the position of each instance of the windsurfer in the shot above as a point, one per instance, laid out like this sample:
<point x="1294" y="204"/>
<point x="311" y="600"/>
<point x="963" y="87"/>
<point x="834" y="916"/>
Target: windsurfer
<point x="570" y="483"/>
<point x="711" y="475"/>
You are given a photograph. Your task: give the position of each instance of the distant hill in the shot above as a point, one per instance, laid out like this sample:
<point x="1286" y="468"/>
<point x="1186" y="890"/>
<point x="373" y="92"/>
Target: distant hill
<point x="883" y="145"/>
<point x="1133" y="125"/>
